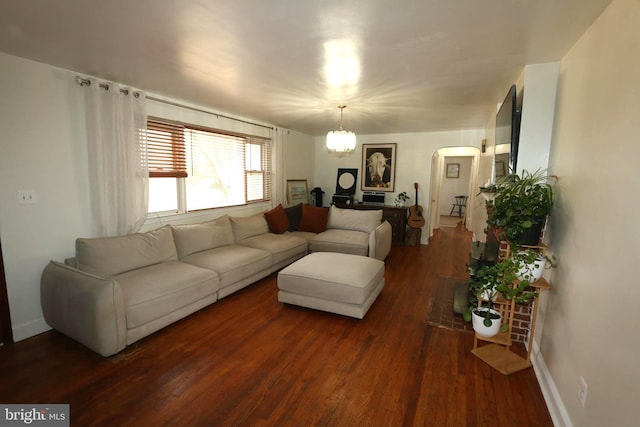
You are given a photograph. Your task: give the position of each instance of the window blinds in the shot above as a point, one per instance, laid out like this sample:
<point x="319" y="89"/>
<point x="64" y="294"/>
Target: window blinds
<point x="224" y="168"/>
<point x="258" y="169"/>
<point x="166" y="150"/>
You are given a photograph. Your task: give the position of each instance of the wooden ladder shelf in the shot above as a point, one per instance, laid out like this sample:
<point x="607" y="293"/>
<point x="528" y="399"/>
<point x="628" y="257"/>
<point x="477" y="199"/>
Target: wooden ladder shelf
<point x="498" y="352"/>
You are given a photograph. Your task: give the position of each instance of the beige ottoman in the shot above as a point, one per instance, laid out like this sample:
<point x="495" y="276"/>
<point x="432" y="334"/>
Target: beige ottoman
<point x="334" y="282"/>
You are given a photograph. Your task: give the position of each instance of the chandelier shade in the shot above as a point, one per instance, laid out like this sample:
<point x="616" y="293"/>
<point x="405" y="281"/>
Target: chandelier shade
<point x="341" y="142"/>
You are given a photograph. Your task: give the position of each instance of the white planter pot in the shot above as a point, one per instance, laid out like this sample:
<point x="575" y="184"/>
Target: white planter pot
<point x="481" y="329"/>
<point x="532" y="272"/>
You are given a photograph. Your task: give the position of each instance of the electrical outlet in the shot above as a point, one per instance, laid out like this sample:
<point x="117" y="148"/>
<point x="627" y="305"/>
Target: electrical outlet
<point x="26" y="197"/>
<point x="582" y="392"/>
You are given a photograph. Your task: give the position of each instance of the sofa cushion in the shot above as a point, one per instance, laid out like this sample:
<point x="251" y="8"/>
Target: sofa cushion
<point x="233" y="263"/>
<point x="345" y="241"/>
<point x="352" y="219"/>
<point x="155" y="291"/>
<point x="306" y="235"/>
<point x="277" y="220"/>
<point x="191" y="238"/>
<point x="313" y="219"/>
<point x="108" y="256"/>
<point x="294" y="214"/>
<point x="244" y="227"/>
<point x="281" y="246"/>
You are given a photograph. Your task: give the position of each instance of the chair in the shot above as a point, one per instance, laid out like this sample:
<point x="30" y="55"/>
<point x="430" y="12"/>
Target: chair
<point x="459" y="205"/>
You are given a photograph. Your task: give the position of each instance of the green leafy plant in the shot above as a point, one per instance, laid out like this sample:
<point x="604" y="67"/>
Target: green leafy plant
<point x="403" y="196"/>
<point x="483" y="287"/>
<point x="519" y="203"/>
<point x="512" y="277"/>
<point x="518" y="274"/>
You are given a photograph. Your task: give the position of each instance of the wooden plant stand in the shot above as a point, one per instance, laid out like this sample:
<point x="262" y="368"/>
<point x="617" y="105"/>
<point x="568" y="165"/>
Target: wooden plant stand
<point x="498" y="353"/>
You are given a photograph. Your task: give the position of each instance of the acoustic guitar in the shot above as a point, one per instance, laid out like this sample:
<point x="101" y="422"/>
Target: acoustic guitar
<point x="416" y="219"/>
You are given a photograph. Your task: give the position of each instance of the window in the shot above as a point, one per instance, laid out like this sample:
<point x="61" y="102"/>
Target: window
<point x="192" y="168"/>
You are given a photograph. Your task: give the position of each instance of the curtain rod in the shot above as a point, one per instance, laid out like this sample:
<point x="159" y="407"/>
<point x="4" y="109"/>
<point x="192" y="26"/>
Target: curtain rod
<point x="176" y="104"/>
<point x="86" y="82"/>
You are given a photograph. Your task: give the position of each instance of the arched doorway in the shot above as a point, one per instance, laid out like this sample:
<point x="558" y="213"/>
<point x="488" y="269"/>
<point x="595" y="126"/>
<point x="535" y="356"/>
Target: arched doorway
<point x="454" y="172"/>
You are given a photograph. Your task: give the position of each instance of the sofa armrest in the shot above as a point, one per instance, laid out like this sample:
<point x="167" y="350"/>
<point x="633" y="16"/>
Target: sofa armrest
<point x="85" y="307"/>
<point x="380" y="241"/>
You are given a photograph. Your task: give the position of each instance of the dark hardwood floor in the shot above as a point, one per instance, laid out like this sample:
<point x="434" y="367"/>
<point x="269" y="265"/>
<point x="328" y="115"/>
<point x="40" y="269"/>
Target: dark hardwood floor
<point x="249" y="360"/>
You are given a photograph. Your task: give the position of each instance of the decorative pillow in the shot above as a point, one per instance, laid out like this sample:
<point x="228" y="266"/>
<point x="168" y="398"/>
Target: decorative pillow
<point x="277" y="220"/>
<point x="249" y="226"/>
<point x="314" y="219"/>
<point x="352" y="219"/>
<point x="192" y="238"/>
<point x="294" y="213"/>
<point x="108" y="256"/>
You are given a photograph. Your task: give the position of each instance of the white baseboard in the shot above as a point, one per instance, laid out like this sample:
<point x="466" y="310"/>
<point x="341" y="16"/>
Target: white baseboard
<point x="29" y="329"/>
<point x="552" y="398"/>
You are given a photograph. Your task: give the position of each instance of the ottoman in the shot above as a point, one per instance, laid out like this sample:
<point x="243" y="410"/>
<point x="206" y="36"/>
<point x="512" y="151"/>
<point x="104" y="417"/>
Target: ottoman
<point x="334" y="282"/>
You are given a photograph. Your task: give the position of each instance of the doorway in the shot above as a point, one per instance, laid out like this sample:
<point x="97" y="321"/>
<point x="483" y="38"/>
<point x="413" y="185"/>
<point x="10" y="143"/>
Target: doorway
<point x="454" y="172"/>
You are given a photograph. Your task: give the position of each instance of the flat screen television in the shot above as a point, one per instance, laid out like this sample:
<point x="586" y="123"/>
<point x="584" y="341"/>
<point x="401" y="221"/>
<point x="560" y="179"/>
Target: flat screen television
<point x="507" y="134"/>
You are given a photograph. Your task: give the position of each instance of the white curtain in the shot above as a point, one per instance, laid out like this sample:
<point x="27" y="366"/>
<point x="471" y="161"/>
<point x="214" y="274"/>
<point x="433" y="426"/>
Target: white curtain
<point x="118" y="168"/>
<point x="279" y="139"/>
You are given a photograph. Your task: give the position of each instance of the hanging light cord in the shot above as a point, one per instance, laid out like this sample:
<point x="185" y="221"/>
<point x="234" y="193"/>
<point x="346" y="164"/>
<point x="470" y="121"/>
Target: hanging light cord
<point x="341" y="107"/>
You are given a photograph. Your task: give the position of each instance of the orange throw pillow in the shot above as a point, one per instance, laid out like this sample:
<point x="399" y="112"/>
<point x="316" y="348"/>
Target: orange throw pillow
<point x="314" y="219"/>
<point x="277" y="219"/>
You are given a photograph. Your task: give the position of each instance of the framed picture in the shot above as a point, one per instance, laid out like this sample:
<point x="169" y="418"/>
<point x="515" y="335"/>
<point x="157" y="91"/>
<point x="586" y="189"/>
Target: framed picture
<point x="453" y="170"/>
<point x="297" y="191"/>
<point x="378" y="167"/>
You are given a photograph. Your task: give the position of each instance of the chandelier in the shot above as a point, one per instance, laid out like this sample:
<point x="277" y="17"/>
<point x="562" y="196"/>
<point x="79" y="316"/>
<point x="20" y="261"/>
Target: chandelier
<point x="341" y="142"/>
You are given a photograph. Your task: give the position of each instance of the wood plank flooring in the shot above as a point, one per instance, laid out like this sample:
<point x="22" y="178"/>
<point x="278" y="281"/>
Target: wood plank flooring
<point x="248" y="360"/>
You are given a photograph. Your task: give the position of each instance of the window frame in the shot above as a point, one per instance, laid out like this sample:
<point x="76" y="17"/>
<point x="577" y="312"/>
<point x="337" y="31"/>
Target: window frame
<point x="266" y="152"/>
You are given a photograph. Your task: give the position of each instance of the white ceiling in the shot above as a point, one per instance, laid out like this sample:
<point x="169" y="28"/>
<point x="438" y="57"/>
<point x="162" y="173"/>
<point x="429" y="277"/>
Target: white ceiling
<point x="398" y="65"/>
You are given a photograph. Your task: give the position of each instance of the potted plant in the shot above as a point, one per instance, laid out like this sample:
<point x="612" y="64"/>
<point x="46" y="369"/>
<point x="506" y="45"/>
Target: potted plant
<point x="520" y="207"/>
<point x="512" y="278"/>
<point x="484" y="283"/>
<point x="521" y="269"/>
<point x="401" y="199"/>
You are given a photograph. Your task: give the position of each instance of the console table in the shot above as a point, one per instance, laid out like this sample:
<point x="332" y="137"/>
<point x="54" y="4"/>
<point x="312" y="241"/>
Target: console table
<point x="397" y="217"/>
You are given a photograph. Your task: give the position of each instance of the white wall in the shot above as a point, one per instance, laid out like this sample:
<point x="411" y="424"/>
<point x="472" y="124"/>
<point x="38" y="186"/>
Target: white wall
<point x="299" y="157"/>
<point x="43" y="148"/>
<point x="413" y="162"/>
<point x="42" y="137"/>
<point x="536" y="127"/>
<point x="592" y="327"/>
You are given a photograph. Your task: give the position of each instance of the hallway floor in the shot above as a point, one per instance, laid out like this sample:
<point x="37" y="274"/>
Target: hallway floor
<point x="450" y="221"/>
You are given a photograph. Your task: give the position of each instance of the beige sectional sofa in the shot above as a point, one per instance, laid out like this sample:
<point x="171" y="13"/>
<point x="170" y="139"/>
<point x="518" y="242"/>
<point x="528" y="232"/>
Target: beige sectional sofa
<point x="117" y="290"/>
